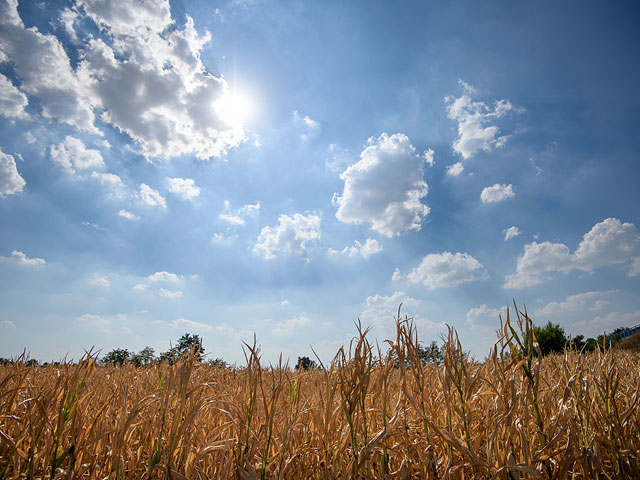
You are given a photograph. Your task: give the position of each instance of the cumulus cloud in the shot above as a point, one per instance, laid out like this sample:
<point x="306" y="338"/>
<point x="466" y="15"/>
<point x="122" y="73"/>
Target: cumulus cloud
<point x="287" y="327"/>
<point x="592" y="327"/>
<point x="496" y="193"/>
<point x="428" y="156"/>
<point x="239" y="216"/>
<point x="511" y="232"/>
<point x="385" y="187"/>
<point x="381" y="311"/>
<point x="309" y="126"/>
<point x="142" y="73"/>
<point x="446" y="269"/>
<point x="72" y="154"/>
<point x="128" y="215"/>
<point x="11" y="182"/>
<point x="476" y="128"/>
<point x="290" y="236"/>
<point x="370" y="247"/>
<point x="455" y="169"/>
<point x="165" y="277"/>
<point x="12" y="100"/>
<point x="191" y="325"/>
<point x="607" y="243"/>
<point x="7" y="324"/>
<point x="151" y="197"/>
<point x="588" y="300"/>
<point x="100" y="281"/>
<point x="97" y="322"/>
<point x="170" y="294"/>
<point x="45" y="72"/>
<point x="22" y="259"/>
<point x="185" y="188"/>
<point x="112" y="182"/>
<point x="483" y="317"/>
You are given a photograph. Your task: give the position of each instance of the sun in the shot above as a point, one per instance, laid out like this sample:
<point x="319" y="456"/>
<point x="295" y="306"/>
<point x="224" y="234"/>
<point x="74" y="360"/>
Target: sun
<point x="235" y="107"/>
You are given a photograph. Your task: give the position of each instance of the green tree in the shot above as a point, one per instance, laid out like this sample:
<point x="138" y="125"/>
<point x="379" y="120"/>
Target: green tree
<point x="551" y="338"/>
<point x="305" y="363"/>
<point x="143" y="358"/>
<point x="184" y="344"/>
<point x="116" y="356"/>
<point x="431" y="354"/>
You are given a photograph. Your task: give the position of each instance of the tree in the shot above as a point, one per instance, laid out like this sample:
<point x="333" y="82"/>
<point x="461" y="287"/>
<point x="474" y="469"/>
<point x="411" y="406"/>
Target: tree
<point x="184" y="344"/>
<point x="305" y="363"/>
<point x="550" y="338"/>
<point x="116" y="356"/>
<point x="431" y="354"/>
<point x="186" y="341"/>
<point x="143" y="358"/>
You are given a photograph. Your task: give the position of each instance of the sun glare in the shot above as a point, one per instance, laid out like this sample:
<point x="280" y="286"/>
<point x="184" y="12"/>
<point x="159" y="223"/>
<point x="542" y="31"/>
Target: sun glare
<point x="236" y="107"/>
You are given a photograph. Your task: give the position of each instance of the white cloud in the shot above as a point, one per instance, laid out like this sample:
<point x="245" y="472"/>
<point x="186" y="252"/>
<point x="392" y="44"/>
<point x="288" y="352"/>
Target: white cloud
<point x="290" y="236"/>
<point x="381" y="311"/>
<point x="151" y="197"/>
<point x="190" y="325"/>
<point x="497" y="193"/>
<point x="476" y="129"/>
<point x="11" y="182"/>
<point x="310" y="126"/>
<point x="163" y="277"/>
<point x="455" y="169"/>
<point x="511" y="232"/>
<point x="113" y="182"/>
<point x="22" y="259"/>
<point x="7" y="324"/>
<point x="445" y="269"/>
<point x="128" y="215"/>
<point x="170" y="294"/>
<point x="144" y="76"/>
<point x="96" y="321"/>
<point x="99" y="281"/>
<point x="30" y="137"/>
<point x="285" y="303"/>
<point x="483" y="317"/>
<point x="184" y="187"/>
<point x="287" y="327"/>
<point x="239" y="216"/>
<point x="608" y="242"/>
<point x="635" y="267"/>
<point x="608" y="323"/>
<point x="385" y="187"/>
<point x="45" y="72"/>
<point x="12" y="100"/>
<point x="428" y="156"/>
<point x="71" y="154"/>
<point x="140" y="287"/>
<point x="370" y="247"/>
<point x="581" y="301"/>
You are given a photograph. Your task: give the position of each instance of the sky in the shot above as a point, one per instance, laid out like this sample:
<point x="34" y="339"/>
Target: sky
<point x="283" y="169"/>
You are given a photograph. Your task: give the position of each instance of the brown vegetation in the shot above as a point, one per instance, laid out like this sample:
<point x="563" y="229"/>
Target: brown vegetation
<point x="517" y="415"/>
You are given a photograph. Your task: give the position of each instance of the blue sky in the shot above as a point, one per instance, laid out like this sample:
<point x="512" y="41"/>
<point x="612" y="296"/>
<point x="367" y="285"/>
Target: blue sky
<point x="284" y="168"/>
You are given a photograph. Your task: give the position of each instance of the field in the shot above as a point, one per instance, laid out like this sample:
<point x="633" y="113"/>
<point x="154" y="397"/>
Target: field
<point x="517" y="415"/>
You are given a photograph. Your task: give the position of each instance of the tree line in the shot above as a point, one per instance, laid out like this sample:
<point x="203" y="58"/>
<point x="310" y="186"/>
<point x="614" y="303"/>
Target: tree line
<point x="551" y="338"/>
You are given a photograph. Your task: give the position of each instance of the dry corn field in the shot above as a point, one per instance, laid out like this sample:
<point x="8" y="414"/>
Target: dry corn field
<point x="517" y="415"/>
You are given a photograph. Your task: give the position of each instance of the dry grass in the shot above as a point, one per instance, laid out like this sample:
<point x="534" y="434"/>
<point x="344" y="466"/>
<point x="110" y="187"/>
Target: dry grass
<point x="515" y="416"/>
